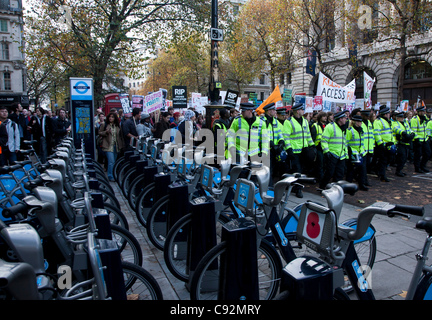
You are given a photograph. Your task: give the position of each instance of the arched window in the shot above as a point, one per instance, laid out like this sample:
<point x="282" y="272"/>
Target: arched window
<point x="7" y="81"/>
<point x="418" y="82"/>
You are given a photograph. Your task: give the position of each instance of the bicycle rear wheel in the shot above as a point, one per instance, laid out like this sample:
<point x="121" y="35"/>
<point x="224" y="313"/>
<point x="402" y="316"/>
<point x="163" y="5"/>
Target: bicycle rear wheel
<point x="205" y="279"/>
<point x="140" y="284"/>
<point x="128" y="245"/>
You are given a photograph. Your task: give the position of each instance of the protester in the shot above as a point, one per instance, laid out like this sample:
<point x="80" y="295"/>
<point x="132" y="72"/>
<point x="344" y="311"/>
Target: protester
<point x="41" y="128"/>
<point x="129" y="127"/>
<point x="112" y="141"/>
<point x="162" y="125"/>
<point x="61" y="126"/>
<point x="12" y="146"/>
<point x="144" y="128"/>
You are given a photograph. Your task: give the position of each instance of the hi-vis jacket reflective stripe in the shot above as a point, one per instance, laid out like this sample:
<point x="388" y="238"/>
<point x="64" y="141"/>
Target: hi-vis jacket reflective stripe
<point x="275" y="130"/>
<point x="251" y="140"/>
<point x="355" y="141"/>
<point x="298" y="135"/>
<point x="399" y="127"/>
<point x="382" y="131"/>
<point x="369" y="139"/>
<point x="419" y="129"/>
<point x="334" y="141"/>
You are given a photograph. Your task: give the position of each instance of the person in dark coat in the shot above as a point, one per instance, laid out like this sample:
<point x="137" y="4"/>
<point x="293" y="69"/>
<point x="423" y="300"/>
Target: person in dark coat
<point x="61" y="126"/>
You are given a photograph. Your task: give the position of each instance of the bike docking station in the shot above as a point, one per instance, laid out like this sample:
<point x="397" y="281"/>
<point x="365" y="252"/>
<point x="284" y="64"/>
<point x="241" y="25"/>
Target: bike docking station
<point x="308" y="277"/>
<point x="201" y="235"/>
<point x="107" y="248"/>
<point x="238" y="275"/>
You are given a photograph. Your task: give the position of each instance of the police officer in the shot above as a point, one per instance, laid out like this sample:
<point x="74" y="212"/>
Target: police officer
<point x="296" y="130"/>
<point x="281" y="114"/>
<point x="278" y="154"/>
<point x="317" y="129"/>
<point x="384" y="142"/>
<point x="356" y="166"/>
<point x="403" y="136"/>
<point x="220" y="129"/>
<point x="422" y="151"/>
<point x="334" y="147"/>
<point x="247" y="136"/>
<point x="369" y="142"/>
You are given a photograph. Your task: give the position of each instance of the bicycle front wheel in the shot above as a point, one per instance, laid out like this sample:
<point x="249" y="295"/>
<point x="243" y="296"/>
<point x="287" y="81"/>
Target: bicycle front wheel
<point x="157" y="222"/>
<point x="205" y="279"/>
<point x="140" y="284"/>
<point x="144" y="203"/>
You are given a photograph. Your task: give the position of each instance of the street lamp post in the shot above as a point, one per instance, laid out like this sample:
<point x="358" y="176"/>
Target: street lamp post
<point x="214" y="69"/>
<point x="214" y="65"/>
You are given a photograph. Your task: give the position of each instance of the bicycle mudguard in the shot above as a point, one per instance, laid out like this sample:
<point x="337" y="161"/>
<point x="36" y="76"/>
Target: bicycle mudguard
<point x="424" y="288"/>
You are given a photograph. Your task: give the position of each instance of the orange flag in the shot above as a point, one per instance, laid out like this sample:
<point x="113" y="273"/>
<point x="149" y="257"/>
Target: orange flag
<point x="274" y="97"/>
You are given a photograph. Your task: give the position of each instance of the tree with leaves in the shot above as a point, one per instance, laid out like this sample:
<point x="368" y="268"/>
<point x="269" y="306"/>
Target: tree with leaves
<point x="101" y="37"/>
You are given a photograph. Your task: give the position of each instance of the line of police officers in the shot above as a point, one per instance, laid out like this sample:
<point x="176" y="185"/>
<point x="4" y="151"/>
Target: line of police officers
<point x="343" y="149"/>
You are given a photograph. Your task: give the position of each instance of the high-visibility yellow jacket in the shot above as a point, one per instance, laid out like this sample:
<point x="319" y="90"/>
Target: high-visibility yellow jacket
<point x="298" y="135"/>
<point x="334" y="141"/>
<point x="356" y="141"/>
<point x="429" y="129"/>
<point x="419" y="128"/>
<point x="248" y="140"/>
<point x="369" y="139"/>
<point x="398" y="128"/>
<point x="382" y="131"/>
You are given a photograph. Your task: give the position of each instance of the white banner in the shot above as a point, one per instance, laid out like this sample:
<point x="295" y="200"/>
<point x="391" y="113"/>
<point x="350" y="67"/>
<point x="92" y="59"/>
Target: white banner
<point x="368" y="83"/>
<point x="331" y="91"/>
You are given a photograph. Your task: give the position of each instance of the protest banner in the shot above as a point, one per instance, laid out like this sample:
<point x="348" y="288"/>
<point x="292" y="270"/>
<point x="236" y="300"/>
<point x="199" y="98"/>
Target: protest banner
<point x="154" y="101"/>
<point x="179" y="94"/>
<point x="309" y="105"/>
<point x="124" y="99"/>
<point x="331" y="91"/>
<point x="318" y="103"/>
<point x="138" y="102"/>
<point x="368" y="84"/>
<point x="231" y="98"/>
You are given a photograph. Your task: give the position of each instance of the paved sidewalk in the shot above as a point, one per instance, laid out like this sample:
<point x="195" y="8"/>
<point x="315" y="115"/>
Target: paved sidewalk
<point x="397" y="243"/>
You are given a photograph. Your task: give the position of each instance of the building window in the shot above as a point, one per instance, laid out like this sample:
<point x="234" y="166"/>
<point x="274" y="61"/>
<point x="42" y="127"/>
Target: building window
<point x="3" y="25"/>
<point x="5" y="51"/>
<point x="282" y="79"/>
<point x="7" y="81"/>
<point x="262" y="79"/>
<point x="419" y="69"/>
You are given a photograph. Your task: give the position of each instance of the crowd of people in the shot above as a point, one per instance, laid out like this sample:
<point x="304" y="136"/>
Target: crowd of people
<point x="115" y="130"/>
<point x="333" y="146"/>
<point x="328" y="146"/>
<point x="18" y="124"/>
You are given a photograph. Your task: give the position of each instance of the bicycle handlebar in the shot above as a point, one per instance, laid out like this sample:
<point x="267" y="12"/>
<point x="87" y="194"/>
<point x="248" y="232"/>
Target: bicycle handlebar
<point x="385" y="208"/>
<point x="414" y="210"/>
<point x="14" y="210"/>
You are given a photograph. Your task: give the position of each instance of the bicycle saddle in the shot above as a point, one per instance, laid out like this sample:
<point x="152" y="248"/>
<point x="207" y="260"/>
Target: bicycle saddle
<point x="348" y="187"/>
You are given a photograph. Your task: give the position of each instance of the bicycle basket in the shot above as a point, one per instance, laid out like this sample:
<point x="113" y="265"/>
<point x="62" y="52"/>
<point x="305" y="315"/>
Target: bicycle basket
<point x="316" y="227"/>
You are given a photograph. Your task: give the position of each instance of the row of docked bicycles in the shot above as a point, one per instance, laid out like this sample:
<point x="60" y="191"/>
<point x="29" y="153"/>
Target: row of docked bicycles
<point x="63" y="235"/>
<point x="230" y="236"/>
